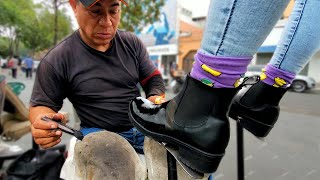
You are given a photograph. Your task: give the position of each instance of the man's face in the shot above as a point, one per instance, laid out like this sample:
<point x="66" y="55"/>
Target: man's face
<point x="98" y="24"/>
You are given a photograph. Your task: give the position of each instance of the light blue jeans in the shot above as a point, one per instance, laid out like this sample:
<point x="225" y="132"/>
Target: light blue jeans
<point x="239" y="27"/>
<point x="300" y="38"/>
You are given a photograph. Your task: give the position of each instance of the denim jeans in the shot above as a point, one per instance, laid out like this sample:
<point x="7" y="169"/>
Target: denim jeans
<point x="300" y="38"/>
<point x="239" y="27"/>
<point x="133" y="136"/>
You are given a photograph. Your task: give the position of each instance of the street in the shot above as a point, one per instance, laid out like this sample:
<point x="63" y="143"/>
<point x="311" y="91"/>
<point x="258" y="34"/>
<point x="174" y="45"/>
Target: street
<point x="290" y="152"/>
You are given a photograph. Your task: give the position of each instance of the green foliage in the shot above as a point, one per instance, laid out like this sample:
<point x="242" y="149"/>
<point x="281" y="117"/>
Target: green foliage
<point x="25" y="24"/>
<point x="4" y="47"/>
<point x="7" y="14"/>
<point x="39" y="32"/>
<point x="13" y="13"/>
<point x="30" y="24"/>
<point x="139" y="13"/>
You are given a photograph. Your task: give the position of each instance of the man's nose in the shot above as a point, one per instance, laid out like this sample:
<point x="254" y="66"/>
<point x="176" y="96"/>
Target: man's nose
<point x="105" y="21"/>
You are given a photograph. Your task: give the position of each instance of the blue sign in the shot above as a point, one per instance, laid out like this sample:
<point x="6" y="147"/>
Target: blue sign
<point x="163" y="31"/>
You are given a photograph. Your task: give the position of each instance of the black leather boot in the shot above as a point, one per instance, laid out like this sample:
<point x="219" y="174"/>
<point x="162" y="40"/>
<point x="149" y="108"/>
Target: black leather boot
<point x="195" y="122"/>
<point x="257" y="107"/>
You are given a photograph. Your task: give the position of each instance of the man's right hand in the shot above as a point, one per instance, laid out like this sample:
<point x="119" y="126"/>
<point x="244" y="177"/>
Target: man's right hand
<point x="45" y="133"/>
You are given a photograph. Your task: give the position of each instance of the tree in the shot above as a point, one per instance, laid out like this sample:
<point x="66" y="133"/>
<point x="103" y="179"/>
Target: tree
<point x="140" y="13"/>
<point x="31" y="24"/>
<point x="12" y="17"/>
<point x="56" y="5"/>
<point x="40" y="34"/>
<point x="4" y="48"/>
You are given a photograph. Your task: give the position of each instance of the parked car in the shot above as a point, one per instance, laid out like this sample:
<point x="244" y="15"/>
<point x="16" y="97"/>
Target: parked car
<point x="300" y="84"/>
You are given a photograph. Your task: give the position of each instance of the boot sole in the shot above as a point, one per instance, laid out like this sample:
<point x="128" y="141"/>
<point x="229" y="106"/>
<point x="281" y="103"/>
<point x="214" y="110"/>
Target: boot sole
<point x="194" y="158"/>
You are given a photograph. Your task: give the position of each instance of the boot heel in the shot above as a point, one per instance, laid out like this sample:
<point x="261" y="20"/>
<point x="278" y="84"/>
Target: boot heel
<point x="201" y="162"/>
<point x="256" y="128"/>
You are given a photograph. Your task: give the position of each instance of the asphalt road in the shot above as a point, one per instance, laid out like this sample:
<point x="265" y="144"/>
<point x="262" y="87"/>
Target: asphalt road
<point x="290" y="152"/>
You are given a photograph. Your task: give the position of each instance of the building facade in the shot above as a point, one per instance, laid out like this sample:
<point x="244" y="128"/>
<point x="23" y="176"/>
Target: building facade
<point x="161" y="38"/>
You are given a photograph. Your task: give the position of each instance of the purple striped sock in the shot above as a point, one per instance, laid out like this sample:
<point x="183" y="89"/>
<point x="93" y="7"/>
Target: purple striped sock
<point x="276" y="77"/>
<point x="217" y="71"/>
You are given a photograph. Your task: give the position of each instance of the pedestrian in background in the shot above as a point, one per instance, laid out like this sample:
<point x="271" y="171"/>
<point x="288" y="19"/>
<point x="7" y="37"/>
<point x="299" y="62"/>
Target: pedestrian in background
<point x="13" y="64"/>
<point x="28" y="64"/>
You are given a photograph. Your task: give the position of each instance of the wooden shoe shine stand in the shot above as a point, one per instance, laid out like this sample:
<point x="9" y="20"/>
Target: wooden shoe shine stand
<point x="107" y="155"/>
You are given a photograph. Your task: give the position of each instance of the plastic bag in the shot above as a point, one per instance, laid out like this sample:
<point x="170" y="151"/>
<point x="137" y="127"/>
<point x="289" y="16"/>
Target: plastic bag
<point x="36" y="164"/>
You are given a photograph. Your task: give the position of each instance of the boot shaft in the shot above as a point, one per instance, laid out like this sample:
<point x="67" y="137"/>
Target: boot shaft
<point x="199" y="100"/>
<point x="260" y="94"/>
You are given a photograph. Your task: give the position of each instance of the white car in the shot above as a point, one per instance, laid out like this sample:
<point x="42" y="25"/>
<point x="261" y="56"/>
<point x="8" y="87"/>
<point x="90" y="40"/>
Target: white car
<point x="300" y="84"/>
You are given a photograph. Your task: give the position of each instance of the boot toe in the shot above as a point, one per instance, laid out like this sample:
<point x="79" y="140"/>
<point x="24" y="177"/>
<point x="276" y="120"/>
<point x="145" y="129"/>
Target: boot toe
<point x="146" y="116"/>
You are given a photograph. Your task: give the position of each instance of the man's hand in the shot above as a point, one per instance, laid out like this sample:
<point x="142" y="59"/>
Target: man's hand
<point x="157" y="99"/>
<point x="45" y="133"/>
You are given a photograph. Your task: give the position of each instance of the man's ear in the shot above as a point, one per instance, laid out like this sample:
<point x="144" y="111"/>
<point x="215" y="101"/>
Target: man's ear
<point x="73" y="4"/>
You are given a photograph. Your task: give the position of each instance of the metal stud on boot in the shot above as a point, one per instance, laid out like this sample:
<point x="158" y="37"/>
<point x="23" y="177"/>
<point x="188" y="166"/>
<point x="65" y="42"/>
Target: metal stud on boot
<point x="195" y="122"/>
<point x="257" y="107"/>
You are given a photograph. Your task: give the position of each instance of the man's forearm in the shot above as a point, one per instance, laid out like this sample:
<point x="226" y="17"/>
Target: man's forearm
<point x="154" y="86"/>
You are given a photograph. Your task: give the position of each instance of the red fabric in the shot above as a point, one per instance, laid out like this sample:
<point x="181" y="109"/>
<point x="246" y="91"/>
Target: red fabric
<point x="144" y="81"/>
<point x="10" y="63"/>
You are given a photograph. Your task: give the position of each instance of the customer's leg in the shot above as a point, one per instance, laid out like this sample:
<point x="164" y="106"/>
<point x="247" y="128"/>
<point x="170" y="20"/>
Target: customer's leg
<point x="300" y="38"/>
<point x="239" y="27"/>
<point x="258" y="106"/>
<point x="235" y="31"/>
<point x="299" y="41"/>
<point x="196" y="119"/>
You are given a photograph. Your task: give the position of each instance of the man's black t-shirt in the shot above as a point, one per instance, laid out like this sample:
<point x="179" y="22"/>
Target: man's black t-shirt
<point x="100" y="85"/>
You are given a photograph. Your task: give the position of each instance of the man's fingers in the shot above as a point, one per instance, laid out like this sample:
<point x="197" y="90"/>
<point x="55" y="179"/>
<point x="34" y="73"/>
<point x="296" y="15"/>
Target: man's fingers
<point x="44" y="125"/>
<point x="159" y="100"/>
<point x="41" y="124"/>
<point x="38" y="133"/>
<point x="43" y="133"/>
<point x="59" y="117"/>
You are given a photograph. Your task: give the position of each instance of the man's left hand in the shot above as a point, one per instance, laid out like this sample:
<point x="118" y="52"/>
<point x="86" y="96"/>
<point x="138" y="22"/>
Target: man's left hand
<point x="157" y="99"/>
